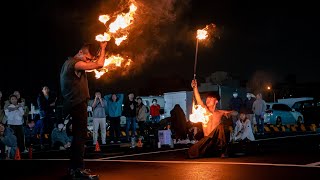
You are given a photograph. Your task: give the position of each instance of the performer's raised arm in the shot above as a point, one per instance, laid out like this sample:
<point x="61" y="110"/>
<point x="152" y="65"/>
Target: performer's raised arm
<point x="194" y="85"/>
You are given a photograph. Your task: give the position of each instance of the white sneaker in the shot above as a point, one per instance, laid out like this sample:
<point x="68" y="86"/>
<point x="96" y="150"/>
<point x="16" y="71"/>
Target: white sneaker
<point x="111" y="142"/>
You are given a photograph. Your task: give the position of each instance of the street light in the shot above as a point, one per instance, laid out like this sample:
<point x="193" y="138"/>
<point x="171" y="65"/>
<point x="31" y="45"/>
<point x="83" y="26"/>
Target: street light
<point x="274" y="94"/>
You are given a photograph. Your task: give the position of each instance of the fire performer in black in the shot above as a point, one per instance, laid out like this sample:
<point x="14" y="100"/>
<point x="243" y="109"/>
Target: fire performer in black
<point x="75" y="91"/>
<point x="216" y="130"/>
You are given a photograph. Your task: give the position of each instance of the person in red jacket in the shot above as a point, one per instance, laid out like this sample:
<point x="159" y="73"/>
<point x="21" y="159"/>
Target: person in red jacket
<point x="155" y="111"/>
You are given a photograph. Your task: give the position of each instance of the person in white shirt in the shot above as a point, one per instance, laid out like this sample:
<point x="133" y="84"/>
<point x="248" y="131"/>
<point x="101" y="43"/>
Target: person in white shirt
<point x="14" y="113"/>
<point x="243" y="129"/>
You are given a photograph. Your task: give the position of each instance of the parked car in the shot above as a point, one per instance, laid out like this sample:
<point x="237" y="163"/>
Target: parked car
<point x="282" y="114"/>
<point x="310" y="109"/>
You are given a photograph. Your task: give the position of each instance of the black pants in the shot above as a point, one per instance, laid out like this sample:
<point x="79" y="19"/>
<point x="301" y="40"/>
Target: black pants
<point x="46" y="125"/>
<point x="142" y="127"/>
<point x="18" y="131"/>
<point x="79" y="132"/>
<point x="2" y="150"/>
<point x="115" y="128"/>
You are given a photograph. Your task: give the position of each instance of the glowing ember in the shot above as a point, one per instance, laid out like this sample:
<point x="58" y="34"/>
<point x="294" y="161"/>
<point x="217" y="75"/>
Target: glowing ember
<point x="199" y="114"/>
<point x="202" y="34"/>
<point x="104" y="18"/>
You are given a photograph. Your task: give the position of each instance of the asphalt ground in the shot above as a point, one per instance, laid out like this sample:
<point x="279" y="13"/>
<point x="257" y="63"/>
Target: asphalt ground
<point x="292" y="156"/>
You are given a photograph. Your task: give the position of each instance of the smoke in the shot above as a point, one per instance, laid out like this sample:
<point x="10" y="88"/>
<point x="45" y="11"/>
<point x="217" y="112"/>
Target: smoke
<point x="154" y="33"/>
<point x="260" y="80"/>
<point x="155" y="29"/>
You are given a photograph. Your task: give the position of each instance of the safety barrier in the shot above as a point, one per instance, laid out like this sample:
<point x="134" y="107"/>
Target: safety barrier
<point x="294" y="128"/>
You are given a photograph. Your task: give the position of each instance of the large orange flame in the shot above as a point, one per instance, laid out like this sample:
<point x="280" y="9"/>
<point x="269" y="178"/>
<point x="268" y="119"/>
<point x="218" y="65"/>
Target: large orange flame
<point x="122" y="21"/>
<point x="111" y="63"/>
<point x="199" y="114"/>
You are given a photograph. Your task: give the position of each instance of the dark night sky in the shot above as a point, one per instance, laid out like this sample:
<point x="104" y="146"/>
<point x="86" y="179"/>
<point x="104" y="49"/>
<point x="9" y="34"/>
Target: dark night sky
<point x="278" y="38"/>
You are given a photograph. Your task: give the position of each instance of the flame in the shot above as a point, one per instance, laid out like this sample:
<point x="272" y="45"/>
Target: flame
<point x="121" y="22"/>
<point x="202" y="34"/>
<point x="104" y="18"/>
<point x="99" y="73"/>
<point x="199" y="114"/>
<point x="128" y="63"/>
<point x="116" y="60"/>
<point x="111" y="63"/>
<point x="119" y="40"/>
<point x="104" y="37"/>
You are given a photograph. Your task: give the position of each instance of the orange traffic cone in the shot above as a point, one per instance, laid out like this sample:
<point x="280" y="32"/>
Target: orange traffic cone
<point x="17" y="155"/>
<point x="97" y="147"/>
<point x="30" y="152"/>
<point x="139" y="143"/>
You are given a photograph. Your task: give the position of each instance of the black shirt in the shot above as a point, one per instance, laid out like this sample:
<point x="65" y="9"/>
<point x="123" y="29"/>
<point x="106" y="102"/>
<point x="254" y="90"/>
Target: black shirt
<point x="73" y="84"/>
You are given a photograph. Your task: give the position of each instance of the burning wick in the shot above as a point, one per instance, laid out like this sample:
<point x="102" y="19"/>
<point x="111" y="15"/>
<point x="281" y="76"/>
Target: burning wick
<point x="202" y="34"/>
<point x="104" y="18"/>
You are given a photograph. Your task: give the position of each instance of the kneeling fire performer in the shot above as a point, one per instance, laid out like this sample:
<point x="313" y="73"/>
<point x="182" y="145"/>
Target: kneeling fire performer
<point x="216" y="129"/>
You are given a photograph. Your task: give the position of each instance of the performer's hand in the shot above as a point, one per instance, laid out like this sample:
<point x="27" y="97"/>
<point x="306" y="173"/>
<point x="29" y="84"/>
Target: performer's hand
<point x="103" y="44"/>
<point x="194" y="83"/>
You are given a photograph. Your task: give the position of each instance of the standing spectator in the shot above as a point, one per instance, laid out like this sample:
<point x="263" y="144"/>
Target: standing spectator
<point x="22" y="102"/>
<point x="258" y="108"/>
<point x="2" y="114"/>
<point x="75" y="91"/>
<point x="114" y="112"/>
<point x="69" y="130"/>
<point x="141" y="115"/>
<point x="7" y="140"/>
<point x="155" y="111"/>
<point x="129" y="111"/>
<point x="235" y="105"/>
<point x="30" y="134"/>
<point x="247" y="105"/>
<point x="235" y="102"/>
<point x="14" y="113"/>
<point x="46" y="103"/>
<point x="99" y="117"/>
